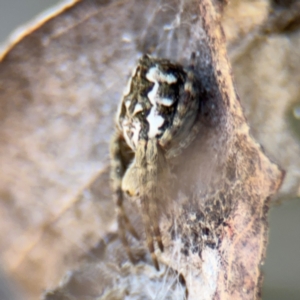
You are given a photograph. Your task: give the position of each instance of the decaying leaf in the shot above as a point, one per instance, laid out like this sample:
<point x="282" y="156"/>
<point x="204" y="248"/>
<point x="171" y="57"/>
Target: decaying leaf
<point x="59" y="88"/>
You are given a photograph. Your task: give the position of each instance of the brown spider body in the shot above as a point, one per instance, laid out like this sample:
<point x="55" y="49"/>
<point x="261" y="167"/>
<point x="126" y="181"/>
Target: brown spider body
<point x="156" y="120"/>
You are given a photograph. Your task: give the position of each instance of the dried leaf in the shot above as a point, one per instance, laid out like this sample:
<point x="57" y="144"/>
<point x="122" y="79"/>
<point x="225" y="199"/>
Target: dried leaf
<point x="265" y="59"/>
<point x="59" y="88"/>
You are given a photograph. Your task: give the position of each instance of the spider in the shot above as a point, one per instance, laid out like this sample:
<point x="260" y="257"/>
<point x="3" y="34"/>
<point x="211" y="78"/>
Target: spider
<point x="155" y="121"/>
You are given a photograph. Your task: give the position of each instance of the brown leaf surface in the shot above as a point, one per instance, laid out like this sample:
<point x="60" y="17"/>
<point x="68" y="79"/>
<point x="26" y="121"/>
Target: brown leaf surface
<point x="266" y="63"/>
<point x="59" y="88"/>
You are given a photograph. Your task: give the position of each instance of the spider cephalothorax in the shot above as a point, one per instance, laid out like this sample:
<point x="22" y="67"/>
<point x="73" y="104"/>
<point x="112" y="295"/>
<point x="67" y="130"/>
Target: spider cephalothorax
<point x="156" y="120"/>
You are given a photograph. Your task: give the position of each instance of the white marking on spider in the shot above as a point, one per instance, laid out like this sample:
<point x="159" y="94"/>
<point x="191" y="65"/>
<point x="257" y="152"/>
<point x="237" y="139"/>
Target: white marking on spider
<point x="138" y="108"/>
<point x="136" y="128"/>
<point x="126" y="129"/>
<point x="155" y="74"/>
<point x="155" y="122"/>
<point x="165" y="101"/>
<point x="155" y="99"/>
<point x="154" y="119"/>
<point x="133" y="127"/>
<point x="152" y="95"/>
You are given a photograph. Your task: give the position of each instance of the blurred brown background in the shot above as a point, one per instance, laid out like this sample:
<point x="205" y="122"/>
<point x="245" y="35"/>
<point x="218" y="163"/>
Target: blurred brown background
<point x="282" y="268"/>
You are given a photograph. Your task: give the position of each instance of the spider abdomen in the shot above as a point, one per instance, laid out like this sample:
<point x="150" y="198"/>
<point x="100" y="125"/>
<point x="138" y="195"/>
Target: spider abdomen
<point x="160" y="100"/>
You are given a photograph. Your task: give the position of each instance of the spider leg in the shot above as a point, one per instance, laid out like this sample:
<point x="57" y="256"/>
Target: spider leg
<point x="185" y="116"/>
<point x="152" y="157"/>
<point x="145" y="197"/>
<point x="149" y="234"/>
<point x="117" y="173"/>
